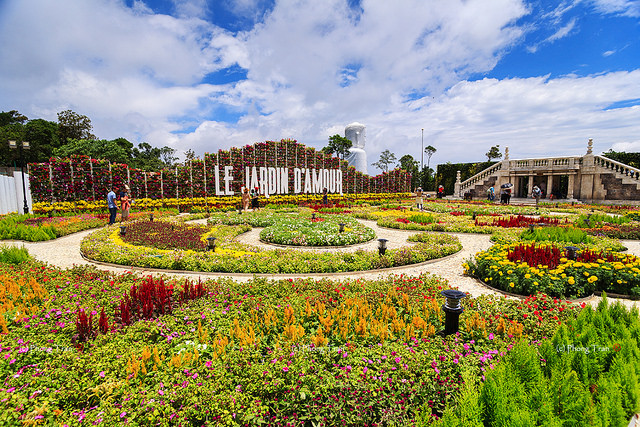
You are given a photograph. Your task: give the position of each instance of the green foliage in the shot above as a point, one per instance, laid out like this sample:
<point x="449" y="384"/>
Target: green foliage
<point x="72" y="125"/>
<point x="387" y="159"/>
<point x="494" y="153"/>
<point x="422" y="218"/>
<point x="587" y="374"/>
<point x="631" y="159"/>
<point x="557" y="234"/>
<point x="116" y="151"/>
<point x="597" y="220"/>
<point x="338" y="145"/>
<point x="13" y="255"/>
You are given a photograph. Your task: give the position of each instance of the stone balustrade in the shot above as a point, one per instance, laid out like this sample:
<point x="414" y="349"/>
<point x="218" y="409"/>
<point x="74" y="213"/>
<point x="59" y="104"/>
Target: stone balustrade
<point x="618" y="167"/>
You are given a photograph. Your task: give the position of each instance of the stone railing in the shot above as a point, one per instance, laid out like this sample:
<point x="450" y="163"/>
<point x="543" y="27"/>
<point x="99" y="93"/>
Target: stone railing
<point x="480" y="176"/>
<point x="617" y="167"/>
<point x="550" y="163"/>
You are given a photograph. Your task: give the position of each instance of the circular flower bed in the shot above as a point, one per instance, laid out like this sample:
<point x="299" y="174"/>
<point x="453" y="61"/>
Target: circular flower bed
<point x="162" y="235"/>
<point x="528" y="268"/>
<point x="231" y="257"/>
<point x="304" y="231"/>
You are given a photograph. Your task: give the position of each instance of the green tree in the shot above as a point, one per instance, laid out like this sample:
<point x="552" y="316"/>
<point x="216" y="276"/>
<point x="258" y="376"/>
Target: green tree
<point x="72" y="125"/>
<point x="387" y="158"/>
<point x="408" y="163"/>
<point x="168" y="156"/>
<point x="43" y="139"/>
<point x="98" y="149"/>
<point x="147" y="157"/>
<point x="189" y="155"/>
<point x="494" y="153"/>
<point x="338" y="145"/>
<point x="426" y="173"/>
<point x="11" y="117"/>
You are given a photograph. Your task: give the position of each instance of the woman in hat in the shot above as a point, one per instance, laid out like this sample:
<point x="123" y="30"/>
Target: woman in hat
<point x="419" y="197"/>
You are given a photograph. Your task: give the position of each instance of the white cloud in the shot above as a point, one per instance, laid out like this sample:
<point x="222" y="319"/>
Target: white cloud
<point x="629" y="8"/>
<point x="312" y="67"/>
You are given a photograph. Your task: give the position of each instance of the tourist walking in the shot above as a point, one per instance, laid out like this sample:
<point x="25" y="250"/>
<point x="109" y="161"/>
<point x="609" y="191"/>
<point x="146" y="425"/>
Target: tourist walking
<point x="440" y="192"/>
<point x="536" y="193"/>
<point x="113" y="208"/>
<point x="125" y="205"/>
<point x="419" y="198"/>
<point x="255" y="199"/>
<point x="246" y="198"/>
<point x="491" y="194"/>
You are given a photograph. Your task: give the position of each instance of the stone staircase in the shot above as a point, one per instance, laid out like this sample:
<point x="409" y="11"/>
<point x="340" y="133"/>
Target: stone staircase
<point x="619" y="181"/>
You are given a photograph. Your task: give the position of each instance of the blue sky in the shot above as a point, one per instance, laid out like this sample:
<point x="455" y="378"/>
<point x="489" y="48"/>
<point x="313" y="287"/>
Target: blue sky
<point x="539" y="77"/>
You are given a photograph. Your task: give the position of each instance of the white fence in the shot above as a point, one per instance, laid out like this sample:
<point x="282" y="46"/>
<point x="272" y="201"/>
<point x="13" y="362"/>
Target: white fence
<point x="11" y="193"/>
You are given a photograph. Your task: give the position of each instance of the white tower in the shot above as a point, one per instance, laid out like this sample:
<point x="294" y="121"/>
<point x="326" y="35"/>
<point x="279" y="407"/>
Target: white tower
<point x="355" y="132"/>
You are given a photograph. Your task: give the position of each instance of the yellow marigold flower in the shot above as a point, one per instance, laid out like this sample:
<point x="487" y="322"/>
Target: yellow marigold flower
<point x="511" y="284"/>
<point x="527" y="276"/>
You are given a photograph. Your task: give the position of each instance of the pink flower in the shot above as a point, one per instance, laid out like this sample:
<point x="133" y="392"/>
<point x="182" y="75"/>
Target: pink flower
<point x="161" y="392"/>
<point x="285" y="369"/>
<point x="101" y="374"/>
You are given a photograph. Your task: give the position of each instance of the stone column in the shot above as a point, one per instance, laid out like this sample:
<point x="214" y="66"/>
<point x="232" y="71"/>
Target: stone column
<point x="456" y="187"/>
<point x="571" y="184"/>
<point x="529" y="186"/>
<point x="549" y="185"/>
<point x="587" y="172"/>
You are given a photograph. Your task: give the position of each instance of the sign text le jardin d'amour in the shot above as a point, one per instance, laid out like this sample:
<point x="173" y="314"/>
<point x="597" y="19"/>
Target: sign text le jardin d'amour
<point x="276" y="180"/>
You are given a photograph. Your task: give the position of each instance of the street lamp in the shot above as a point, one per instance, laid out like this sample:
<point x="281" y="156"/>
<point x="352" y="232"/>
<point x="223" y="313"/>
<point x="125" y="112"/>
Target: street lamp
<point x="422" y="154"/>
<point x="24" y="145"/>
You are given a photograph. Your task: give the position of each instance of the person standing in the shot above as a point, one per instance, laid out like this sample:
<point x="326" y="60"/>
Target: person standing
<point x="113" y="208"/>
<point x="440" y="192"/>
<point x="325" y="197"/>
<point x="536" y="193"/>
<point x="419" y="200"/>
<point x="491" y="194"/>
<point x="125" y="205"/>
<point x="255" y="202"/>
<point x="245" y="199"/>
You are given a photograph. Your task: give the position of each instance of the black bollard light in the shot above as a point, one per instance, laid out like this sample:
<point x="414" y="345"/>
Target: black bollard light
<point x="452" y="310"/>
<point x="151" y="217"/>
<point x="382" y="246"/>
<point x="572" y="252"/>
<point x="341" y="227"/>
<point x="473" y="216"/>
<point x="123" y="230"/>
<point x="313" y="216"/>
<point x="211" y="243"/>
<point x="532" y="228"/>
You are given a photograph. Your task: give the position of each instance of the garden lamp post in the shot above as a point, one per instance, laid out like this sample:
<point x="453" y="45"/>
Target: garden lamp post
<point x="452" y="310"/>
<point x="123" y="230"/>
<point x="151" y="217"/>
<point x="341" y="227"/>
<point x="211" y="243"/>
<point x="572" y="252"/>
<point x="24" y="145"/>
<point x="382" y="246"/>
<point x="313" y="216"/>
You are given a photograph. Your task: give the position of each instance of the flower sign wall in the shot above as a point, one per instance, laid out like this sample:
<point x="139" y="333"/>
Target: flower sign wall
<point x="274" y="167"/>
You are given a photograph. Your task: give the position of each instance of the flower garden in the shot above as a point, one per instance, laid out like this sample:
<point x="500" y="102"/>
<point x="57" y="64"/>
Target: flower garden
<point x="82" y="346"/>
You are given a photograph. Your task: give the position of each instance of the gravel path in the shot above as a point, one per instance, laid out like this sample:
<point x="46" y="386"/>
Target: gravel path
<point x="65" y="253"/>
